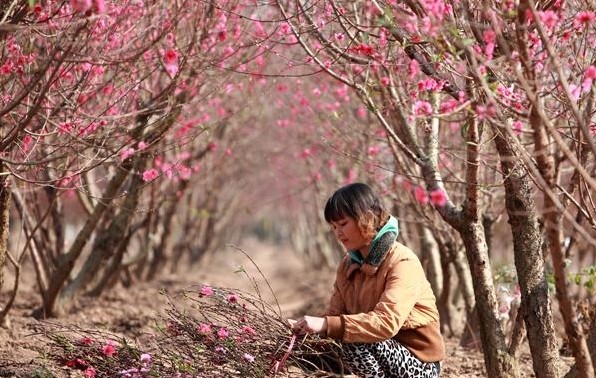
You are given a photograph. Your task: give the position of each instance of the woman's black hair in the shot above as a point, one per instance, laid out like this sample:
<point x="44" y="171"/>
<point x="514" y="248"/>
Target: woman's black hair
<point x="357" y="201"/>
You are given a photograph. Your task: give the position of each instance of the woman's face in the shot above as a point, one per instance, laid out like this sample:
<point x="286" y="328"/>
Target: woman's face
<point x="346" y="230"/>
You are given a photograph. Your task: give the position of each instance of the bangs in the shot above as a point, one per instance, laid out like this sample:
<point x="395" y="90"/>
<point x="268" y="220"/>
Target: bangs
<point x="338" y="207"/>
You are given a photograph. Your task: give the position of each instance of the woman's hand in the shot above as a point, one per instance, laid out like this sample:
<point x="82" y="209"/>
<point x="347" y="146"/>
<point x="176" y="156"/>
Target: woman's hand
<point x="308" y="324"/>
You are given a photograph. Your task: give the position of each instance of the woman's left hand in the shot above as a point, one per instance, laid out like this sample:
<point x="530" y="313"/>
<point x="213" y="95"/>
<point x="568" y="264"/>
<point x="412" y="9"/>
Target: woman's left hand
<point x="310" y="324"/>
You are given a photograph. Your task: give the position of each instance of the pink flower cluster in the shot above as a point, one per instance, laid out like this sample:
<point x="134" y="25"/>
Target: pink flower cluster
<point x="206" y="290"/>
<point x="423" y="108"/>
<point x="141" y="372"/>
<point x="79" y="363"/>
<point x="363" y="49"/>
<point x="82" y="6"/>
<point x="437" y="197"/>
<point x="170" y="59"/>
<point x="109" y="349"/>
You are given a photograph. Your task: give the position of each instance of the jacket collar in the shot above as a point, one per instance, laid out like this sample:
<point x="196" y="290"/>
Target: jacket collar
<point x="380" y="246"/>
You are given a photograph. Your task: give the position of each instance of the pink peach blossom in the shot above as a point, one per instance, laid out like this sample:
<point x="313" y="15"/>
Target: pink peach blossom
<point x="150" y="175"/>
<point x="583" y="19"/>
<point x="248" y="330"/>
<point x="204" y="328"/>
<point x="207" y="291"/>
<point x="170" y="56"/>
<point x="108" y="349"/>
<point x="422" y="108"/>
<point x="248" y="357"/>
<point x="420" y="195"/>
<point x="126" y="153"/>
<point x="549" y="18"/>
<point x="80" y="5"/>
<point x="89" y="372"/>
<point x="438" y="197"/>
<point x="100" y="6"/>
<point x="414" y="68"/>
<point x="222" y="333"/>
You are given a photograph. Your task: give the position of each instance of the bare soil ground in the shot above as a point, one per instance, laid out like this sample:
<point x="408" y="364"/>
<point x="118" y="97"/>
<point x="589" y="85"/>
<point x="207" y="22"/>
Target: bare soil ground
<point x="133" y="312"/>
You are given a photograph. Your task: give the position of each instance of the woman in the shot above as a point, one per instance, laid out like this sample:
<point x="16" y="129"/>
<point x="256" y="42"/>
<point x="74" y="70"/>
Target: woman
<point x="382" y="310"/>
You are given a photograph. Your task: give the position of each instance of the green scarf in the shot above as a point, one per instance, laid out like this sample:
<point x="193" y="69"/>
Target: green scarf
<point x="380" y="244"/>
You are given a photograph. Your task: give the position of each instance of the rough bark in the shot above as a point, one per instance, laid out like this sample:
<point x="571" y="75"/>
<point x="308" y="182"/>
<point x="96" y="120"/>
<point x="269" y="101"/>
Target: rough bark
<point x="529" y="262"/>
<point x="527" y="241"/>
<point x="107" y="242"/>
<point x="183" y="245"/>
<point x="430" y="258"/>
<point x="464" y="275"/>
<point x="55" y="235"/>
<point x="34" y="243"/>
<point x="517" y="332"/>
<point x="498" y="363"/>
<point x="110" y="273"/>
<point x="4" y="224"/>
<point x="553" y="224"/>
<point x="574" y="372"/>
<point x="160" y="252"/>
<point x="468" y="223"/>
<point x="67" y="261"/>
<point x="444" y="299"/>
<point x="573" y="328"/>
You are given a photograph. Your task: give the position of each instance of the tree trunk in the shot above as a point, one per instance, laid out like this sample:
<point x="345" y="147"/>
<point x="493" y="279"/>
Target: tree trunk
<point x="67" y="261"/>
<point x="4" y="225"/>
<point x="183" y="245"/>
<point x="529" y="262"/>
<point x="108" y="240"/>
<point x="498" y="362"/>
<point x="574" y="372"/>
<point x="444" y="299"/>
<point x="56" y="234"/>
<point x="592" y="338"/>
<point x="430" y="258"/>
<point x="553" y="225"/>
<point x="464" y="275"/>
<point x="468" y="224"/>
<point x="160" y="252"/>
<point x="110" y="273"/>
<point x="34" y="245"/>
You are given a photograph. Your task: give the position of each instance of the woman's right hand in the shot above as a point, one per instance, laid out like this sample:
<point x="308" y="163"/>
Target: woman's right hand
<point x="308" y="324"/>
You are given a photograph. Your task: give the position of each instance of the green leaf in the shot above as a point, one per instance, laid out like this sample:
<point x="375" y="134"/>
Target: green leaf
<point x="32" y="3"/>
<point x="386" y="20"/>
<point x="463" y="130"/>
<point x="577" y="279"/>
<point x="468" y="41"/>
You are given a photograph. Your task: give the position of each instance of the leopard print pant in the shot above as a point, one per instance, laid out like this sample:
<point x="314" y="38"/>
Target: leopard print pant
<point x="386" y="359"/>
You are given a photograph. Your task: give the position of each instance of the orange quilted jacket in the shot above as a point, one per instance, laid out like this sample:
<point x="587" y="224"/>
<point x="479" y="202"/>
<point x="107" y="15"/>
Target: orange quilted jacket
<point x="395" y="300"/>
